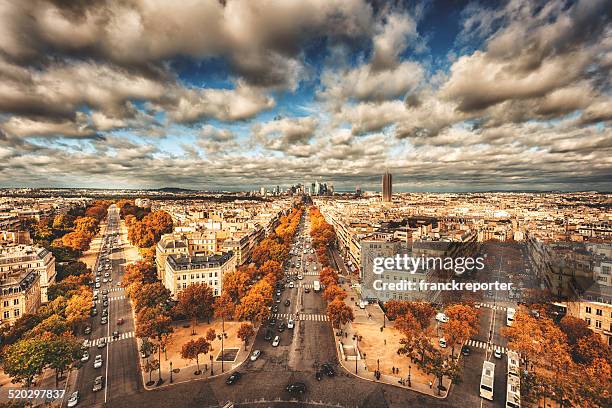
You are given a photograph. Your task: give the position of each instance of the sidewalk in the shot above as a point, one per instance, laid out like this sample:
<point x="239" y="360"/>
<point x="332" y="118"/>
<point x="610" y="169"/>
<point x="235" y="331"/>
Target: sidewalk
<point x="370" y="321"/>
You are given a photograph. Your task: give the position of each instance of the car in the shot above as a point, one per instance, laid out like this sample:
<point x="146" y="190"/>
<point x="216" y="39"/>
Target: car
<point x="73" y="400"/>
<point x="120" y="321"/>
<point x="115" y="335"/>
<point x="106" y="274"/>
<point x="97" y="279"/>
<point x="272" y="322"/>
<point x="97" y="285"/>
<point x="327" y="369"/>
<point x="497" y="353"/>
<point x="465" y="350"/>
<point x="104" y="297"/>
<point x="233" y="379"/>
<point x="276" y="341"/>
<point x="95" y="297"/>
<point x="105" y="303"/>
<point x="362" y="305"/>
<point x="118" y="283"/>
<point x="278" y="299"/>
<point x="87" y="330"/>
<point x="300" y="277"/>
<point x="104" y="280"/>
<point x="291" y="285"/>
<point x="290" y="324"/>
<point x="268" y="335"/>
<point x="102" y="343"/>
<point x="281" y="327"/>
<point x="105" y="292"/>
<point x="98" y="361"/>
<point x="442" y="318"/>
<point x="104" y="320"/>
<point x="98" y="384"/>
<point x="110" y="279"/>
<point x="306" y="290"/>
<point x="255" y="355"/>
<point x="442" y="342"/>
<point x="296" y="388"/>
<point x="96" y="292"/>
<point x="85" y="357"/>
<point x="477" y="306"/>
<point x="275" y="309"/>
<point x="287" y="302"/>
<point x="278" y="292"/>
<point x="104" y="312"/>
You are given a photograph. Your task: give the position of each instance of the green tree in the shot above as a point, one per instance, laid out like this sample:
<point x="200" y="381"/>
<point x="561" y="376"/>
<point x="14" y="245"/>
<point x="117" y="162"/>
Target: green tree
<point x="24" y="360"/>
<point x="61" y="352"/>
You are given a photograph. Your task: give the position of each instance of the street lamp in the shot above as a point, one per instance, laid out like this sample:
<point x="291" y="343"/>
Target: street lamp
<point x="211" y="365"/>
<point x="409" y="372"/>
<point x="171" y="372"/>
<point x="356" y="340"/>
<point x="221" y="337"/>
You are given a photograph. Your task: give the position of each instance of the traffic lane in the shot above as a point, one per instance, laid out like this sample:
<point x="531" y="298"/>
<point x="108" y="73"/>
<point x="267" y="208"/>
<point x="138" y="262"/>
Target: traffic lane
<point x="342" y="390"/>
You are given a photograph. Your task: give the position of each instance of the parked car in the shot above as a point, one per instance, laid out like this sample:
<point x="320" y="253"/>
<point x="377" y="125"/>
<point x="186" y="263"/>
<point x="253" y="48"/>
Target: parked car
<point x="287" y="302"/>
<point x="275" y="309"/>
<point x="98" y="384"/>
<point x="268" y="335"/>
<point x="276" y="341"/>
<point x="291" y="285"/>
<point x="442" y="342"/>
<point x="73" y="400"/>
<point x="98" y="361"/>
<point x="85" y="357"/>
<point x="465" y="350"/>
<point x="296" y="388"/>
<point x="87" y="330"/>
<point x="300" y="277"/>
<point x="442" y="318"/>
<point x="233" y="379"/>
<point x="281" y="327"/>
<point x="102" y="343"/>
<point x="306" y="290"/>
<point x="290" y="324"/>
<point x="497" y="353"/>
<point x="115" y="335"/>
<point x="255" y="355"/>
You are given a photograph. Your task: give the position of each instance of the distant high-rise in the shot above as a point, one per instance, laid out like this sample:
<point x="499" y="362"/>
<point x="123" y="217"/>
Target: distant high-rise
<point x="387" y="187"/>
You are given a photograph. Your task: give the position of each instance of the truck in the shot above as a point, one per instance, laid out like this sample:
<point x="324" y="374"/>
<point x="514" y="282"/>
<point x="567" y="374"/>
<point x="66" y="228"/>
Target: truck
<point x="316" y="286"/>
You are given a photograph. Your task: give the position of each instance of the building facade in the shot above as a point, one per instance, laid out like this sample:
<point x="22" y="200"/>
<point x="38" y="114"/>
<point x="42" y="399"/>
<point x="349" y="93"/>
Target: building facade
<point x="387" y="187"/>
<point x="182" y="270"/>
<point x="14" y="259"/>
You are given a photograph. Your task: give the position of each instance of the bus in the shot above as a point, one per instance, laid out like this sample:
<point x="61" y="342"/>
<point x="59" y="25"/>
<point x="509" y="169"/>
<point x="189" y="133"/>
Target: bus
<point x="486" y="380"/>
<point x="513" y="389"/>
<point x="510" y="316"/>
<point x="316" y="286"/>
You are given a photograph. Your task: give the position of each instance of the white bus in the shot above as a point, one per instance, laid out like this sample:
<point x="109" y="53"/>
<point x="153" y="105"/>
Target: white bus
<point x="513" y="389"/>
<point x="316" y="286"/>
<point x="486" y="380"/>
<point x="510" y="316"/>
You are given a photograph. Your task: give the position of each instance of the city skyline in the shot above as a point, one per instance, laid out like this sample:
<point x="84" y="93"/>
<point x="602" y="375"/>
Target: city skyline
<point x="449" y="96"/>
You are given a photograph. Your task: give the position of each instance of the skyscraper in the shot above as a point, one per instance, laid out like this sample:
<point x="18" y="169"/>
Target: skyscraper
<point x="387" y="187"/>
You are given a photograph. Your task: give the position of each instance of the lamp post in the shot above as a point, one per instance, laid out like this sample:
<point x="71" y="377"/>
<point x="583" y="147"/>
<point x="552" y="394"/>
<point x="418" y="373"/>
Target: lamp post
<point x="356" y="340"/>
<point x="211" y="366"/>
<point x="171" y="372"/>
<point x="221" y="337"/>
<point x="384" y="319"/>
<point x="409" y="372"/>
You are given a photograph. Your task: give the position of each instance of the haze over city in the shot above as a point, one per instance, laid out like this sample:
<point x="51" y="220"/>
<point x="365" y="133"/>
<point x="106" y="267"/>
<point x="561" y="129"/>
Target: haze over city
<point x="449" y="95"/>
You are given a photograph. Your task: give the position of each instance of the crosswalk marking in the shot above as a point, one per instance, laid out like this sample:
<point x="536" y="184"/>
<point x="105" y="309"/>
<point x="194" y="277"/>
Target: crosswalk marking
<point x="303" y="316"/>
<point x="494" y="307"/>
<point x="115" y="289"/>
<point x="485" y="346"/>
<point x="109" y="339"/>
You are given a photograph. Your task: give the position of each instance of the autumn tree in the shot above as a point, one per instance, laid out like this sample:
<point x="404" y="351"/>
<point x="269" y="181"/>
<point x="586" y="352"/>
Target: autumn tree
<point x="77" y="309"/>
<point x="235" y="285"/>
<point x="24" y="360"/>
<point x="223" y="307"/>
<point x="151" y="295"/>
<point x="151" y="365"/>
<point x="462" y="324"/>
<point x="574" y="328"/>
<point x="339" y="313"/>
<point x="196" y="302"/>
<point x="332" y="292"/>
<point x="245" y="332"/>
<point x="192" y="350"/>
<point x="154" y="323"/>
<point x="253" y="307"/>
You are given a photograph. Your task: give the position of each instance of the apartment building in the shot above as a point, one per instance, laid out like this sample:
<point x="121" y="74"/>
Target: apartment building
<point x="19" y="295"/>
<point x="16" y="258"/>
<point x="183" y="270"/>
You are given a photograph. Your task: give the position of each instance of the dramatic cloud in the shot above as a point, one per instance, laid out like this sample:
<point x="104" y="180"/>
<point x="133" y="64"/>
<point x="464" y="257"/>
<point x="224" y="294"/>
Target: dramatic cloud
<point x="236" y="94"/>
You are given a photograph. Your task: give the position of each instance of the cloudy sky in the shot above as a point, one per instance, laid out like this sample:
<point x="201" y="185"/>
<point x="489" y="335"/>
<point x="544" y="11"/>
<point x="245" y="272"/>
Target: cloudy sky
<point x="234" y="94"/>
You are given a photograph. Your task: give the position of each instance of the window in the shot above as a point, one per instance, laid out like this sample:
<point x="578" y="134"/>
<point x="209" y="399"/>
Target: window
<point x="598" y="312"/>
<point x="15" y="302"/>
<point x="6" y="303"/>
<point x="6" y="314"/>
<point x="598" y="324"/>
<point x="16" y="312"/>
<point x="588" y="320"/>
<point x="588" y="309"/>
